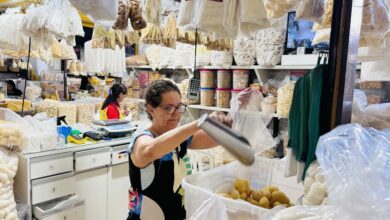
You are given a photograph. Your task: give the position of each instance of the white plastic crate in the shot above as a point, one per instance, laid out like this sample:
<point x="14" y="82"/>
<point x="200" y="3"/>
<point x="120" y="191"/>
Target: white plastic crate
<point x="202" y="186"/>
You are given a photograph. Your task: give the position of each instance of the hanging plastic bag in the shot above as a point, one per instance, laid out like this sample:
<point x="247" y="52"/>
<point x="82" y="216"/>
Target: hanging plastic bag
<point x="278" y="8"/>
<point x="249" y="121"/>
<point x="355" y="161"/>
<point x="101" y="11"/>
<point x="311" y="10"/>
<point x="212" y="209"/>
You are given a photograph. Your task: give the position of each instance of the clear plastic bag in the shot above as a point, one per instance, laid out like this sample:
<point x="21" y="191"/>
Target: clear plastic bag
<point x="375" y="23"/>
<point x="212" y="209"/>
<point x="375" y="71"/>
<point x="311" y="10"/>
<point x="201" y="187"/>
<point x="306" y="212"/>
<point x="245" y="50"/>
<point x="250" y="122"/>
<point x="355" y="161"/>
<point x="376" y="115"/>
<point x="278" y="8"/>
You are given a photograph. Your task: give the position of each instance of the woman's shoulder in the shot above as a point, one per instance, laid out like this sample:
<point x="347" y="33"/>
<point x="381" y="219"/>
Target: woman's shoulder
<point x="138" y="133"/>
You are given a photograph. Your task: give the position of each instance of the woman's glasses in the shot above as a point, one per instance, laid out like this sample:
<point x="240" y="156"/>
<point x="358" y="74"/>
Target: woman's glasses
<point x="171" y="109"/>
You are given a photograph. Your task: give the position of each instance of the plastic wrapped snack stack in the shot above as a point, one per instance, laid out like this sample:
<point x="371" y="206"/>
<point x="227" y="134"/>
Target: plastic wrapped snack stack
<point x="245" y="50"/>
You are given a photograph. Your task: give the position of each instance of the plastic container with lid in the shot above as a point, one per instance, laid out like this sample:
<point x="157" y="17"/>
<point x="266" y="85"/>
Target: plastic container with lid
<point x="207" y="96"/>
<point x="143" y="78"/>
<point x="207" y="79"/>
<point x="224" y="79"/>
<point x="240" y="79"/>
<point x="223" y="98"/>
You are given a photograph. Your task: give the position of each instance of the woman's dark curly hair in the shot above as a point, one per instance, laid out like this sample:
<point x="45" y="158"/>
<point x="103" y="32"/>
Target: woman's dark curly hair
<point x="154" y="91"/>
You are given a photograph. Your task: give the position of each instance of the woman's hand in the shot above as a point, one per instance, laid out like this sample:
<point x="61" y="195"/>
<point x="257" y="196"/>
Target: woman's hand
<point x="222" y="118"/>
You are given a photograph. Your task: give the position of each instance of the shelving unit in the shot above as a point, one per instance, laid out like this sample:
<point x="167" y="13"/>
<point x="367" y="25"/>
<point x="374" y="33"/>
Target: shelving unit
<point x="277" y="67"/>
<point x="208" y="108"/>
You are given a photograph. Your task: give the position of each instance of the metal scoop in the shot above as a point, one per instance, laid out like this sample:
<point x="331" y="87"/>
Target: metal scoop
<point x="231" y="140"/>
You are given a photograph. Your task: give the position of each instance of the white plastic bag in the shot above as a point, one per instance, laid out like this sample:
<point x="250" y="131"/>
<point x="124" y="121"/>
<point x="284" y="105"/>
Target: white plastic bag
<point x="245" y="50"/>
<point x="355" y="161"/>
<point x="321" y="36"/>
<point x="222" y="58"/>
<point x="200" y="187"/>
<point x="8" y="167"/>
<point x="251" y="123"/>
<point x="212" y="209"/>
<point x="376" y="115"/>
<point x="375" y="71"/>
<point x="311" y="10"/>
<point x="102" y="12"/>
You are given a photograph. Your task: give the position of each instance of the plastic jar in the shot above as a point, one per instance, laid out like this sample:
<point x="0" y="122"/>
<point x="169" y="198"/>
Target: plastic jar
<point x="224" y="79"/>
<point x="207" y="79"/>
<point x="135" y="94"/>
<point x="142" y="93"/>
<point x="240" y="79"/>
<point x="143" y="78"/>
<point x="223" y="98"/>
<point x="207" y="97"/>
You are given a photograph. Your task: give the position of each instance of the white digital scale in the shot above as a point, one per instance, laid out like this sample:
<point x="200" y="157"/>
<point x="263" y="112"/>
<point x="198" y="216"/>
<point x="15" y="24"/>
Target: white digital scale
<point x="116" y="128"/>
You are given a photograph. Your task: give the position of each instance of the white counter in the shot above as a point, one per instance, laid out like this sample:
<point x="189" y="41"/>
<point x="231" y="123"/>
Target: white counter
<point x="81" y="147"/>
<point x="96" y="172"/>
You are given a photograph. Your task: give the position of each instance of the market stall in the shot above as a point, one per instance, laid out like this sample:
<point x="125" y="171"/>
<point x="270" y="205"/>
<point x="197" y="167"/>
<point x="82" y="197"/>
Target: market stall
<point x="274" y="67"/>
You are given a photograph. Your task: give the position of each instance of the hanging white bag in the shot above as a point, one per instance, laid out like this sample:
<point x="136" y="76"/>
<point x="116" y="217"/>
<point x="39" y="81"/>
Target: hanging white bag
<point x="253" y="16"/>
<point x="230" y="17"/>
<point x="101" y="11"/>
<point x="209" y="17"/>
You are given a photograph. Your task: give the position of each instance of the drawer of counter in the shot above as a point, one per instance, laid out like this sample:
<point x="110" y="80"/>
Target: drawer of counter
<point x="51" y="165"/>
<point x="89" y="159"/>
<point x="52" y="187"/>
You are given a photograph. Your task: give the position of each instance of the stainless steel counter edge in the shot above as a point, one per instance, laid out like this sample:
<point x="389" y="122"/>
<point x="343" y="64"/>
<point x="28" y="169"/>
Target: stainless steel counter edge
<point x="74" y="148"/>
